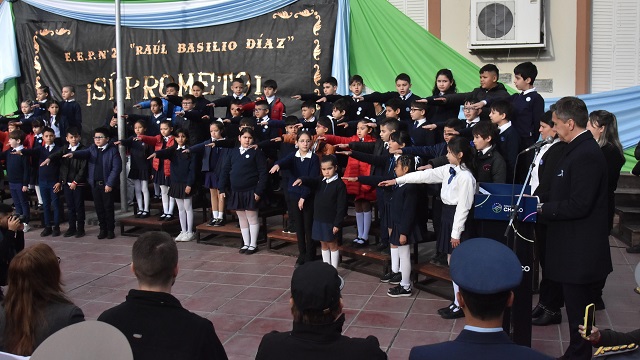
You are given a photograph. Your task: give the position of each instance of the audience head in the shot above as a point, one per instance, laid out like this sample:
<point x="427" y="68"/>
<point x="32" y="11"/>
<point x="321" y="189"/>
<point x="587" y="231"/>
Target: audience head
<point x="315" y="293"/>
<point x="34" y="280"/>
<point x="340" y="108"/>
<point x="155" y="260"/>
<point x="16" y="138"/>
<point x="172" y="89"/>
<point x="469" y="111"/>
<point x="101" y="136"/>
<point x="485" y="294"/>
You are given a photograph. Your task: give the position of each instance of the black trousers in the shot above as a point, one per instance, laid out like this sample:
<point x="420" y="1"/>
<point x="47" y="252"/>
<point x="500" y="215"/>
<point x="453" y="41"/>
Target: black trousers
<point x="576" y="298"/>
<point x="75" y="205"/>
<point x="384" y="233"/>
<point x="104" y="206"/>
<point x="551" y="296"/>
<point x="304" y="223"/>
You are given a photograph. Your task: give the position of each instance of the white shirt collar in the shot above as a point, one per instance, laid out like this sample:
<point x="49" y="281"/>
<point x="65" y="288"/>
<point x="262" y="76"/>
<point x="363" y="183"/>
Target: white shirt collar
<point x="243" y="150"/>
<point x="238" y="97"/>
<point x="474" y="120"/>
<point x="407" y="95"/>
<point x="312" y="119"/>
<point x="157" y="115"/>
<point x="484" y="151"/>
<point x="306" y="156"/>
<point x="26" y="116"/>
<point x="420" y="122"/>
<point x="482" y="330"/>
<point x="19" y="148"/>
<point x="180" y="147"/>
<point x="504" y="127"/>
<point x="528" y="91"/>
<point x="38" y="135"/>
<point x="73" y="148"/>
<point x="582" y="132"/>
<point x="70" y="100"/>
<point x="270" y="99"/>
<point x="103" y="148"/>
<point x="333" y="178"/>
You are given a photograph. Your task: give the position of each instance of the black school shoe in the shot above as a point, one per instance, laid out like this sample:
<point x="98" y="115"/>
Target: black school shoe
<point x="447" y="309"/>
<point x="46" y="232"/>
<point x="454" y="313"/>
<point x="388" y="277"/>
<point x="220" y="222"/>
<point x="251" y="250"/>
<point x="399" y="291"/>
<point x="212" y="222"/>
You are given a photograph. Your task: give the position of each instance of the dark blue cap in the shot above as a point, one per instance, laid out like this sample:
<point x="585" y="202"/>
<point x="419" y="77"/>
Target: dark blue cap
<point x="485" y="266"/>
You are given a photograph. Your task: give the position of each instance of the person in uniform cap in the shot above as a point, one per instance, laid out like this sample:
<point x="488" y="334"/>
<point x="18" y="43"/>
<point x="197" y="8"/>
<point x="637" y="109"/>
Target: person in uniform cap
<point x="316" y="306"/>
<point x="486" y="271"/>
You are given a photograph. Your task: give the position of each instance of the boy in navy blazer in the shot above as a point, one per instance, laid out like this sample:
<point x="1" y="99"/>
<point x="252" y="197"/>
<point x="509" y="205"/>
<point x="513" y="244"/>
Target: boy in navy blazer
<point x="104" y="170"/>
<point x="508" y="139"/>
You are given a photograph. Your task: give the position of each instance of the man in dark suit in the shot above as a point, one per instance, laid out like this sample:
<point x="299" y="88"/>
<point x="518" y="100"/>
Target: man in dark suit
<point x="153" y="320"/>
<point x="575" y="210"/>
<point x="483" y="296"/>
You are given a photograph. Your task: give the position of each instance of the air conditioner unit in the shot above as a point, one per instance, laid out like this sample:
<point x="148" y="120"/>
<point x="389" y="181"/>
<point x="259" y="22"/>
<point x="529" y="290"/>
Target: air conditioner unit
<point x="506" y="24"/>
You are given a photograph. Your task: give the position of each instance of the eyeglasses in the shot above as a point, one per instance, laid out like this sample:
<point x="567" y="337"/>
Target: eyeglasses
<point x="414" y="109"/>
<point x="187" y="103"/>
<point x="99" y="137"/>
<point x="468" y="108"/>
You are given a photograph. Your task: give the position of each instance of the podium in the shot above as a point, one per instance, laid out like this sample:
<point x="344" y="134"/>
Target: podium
<point x="493" y="207"/>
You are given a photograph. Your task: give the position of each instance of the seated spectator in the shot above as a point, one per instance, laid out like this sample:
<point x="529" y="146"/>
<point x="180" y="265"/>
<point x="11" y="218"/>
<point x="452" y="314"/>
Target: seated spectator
<point x="316" y="306"/>
<point x="11" y="240"/>
<point x="483" y="296"/>
<point x="35" y="305"/>
<point x="152" y="319"/>
<point x="609" y="337"/>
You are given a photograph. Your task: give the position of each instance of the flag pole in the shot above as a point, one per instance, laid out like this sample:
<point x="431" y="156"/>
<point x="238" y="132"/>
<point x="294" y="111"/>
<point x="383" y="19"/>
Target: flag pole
<point x="120" y="108"/>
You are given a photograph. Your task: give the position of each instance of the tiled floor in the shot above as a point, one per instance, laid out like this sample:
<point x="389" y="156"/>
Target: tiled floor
<point x="247" y="296"/>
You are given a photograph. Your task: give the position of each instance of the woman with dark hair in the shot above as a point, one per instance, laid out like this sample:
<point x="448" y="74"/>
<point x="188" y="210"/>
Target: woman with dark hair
<point x="604" y="127"/>
<point x="35" y="305"/>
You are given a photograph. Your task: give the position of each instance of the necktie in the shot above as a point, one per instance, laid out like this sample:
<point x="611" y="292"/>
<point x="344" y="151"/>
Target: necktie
<point x="469" y="125"/>
<point x="392" y="164"/>
<point x="452" y="171"/>
<point x="403" y="98"/>
<point x="522" y="93"/>
<point x="386" y="146"/>
<point x="49" y="147"/>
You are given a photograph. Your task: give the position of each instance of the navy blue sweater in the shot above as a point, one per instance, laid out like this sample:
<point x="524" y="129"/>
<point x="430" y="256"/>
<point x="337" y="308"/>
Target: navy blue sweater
<point x="182" y="165"/>
<point x="306" y="168"/>
<point x="244" y="172"/>
<point x="404" y="205"/>
<point x="51" y="172"/>
<point x="330" y="202"/>
<point x="18" y="169"/>
<point x="71" y="110"/>
<point x="509" y="146"/>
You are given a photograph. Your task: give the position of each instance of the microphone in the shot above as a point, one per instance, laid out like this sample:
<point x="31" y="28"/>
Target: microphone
<point x="539" y="144"/>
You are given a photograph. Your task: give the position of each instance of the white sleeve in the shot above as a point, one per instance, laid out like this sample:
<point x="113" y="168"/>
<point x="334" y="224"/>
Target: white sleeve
<point x="428" y="176"/>
<point x="466" y="191"/>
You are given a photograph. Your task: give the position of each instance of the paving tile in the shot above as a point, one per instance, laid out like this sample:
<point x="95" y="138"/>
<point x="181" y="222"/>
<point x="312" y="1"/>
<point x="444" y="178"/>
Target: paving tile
<point x="260" y="293"/>
<point x="259" y="269"/>
<point x="261" y="326"/>
<point x="93" y="309"/>
<point x="554" y="349"/>
<point x="550" y="332"/>
<point x="387" y="303"/>
<point x="243" y="307"/>
<point x="406" y="339"/>
<point x="277" y="311"/>
<point x="221" y="290"/>
<point x="360" y="288"/>
<point x="379" y="319"/>
<point x="355" y="301"/>
<point x="88" y="293"/>
<point x="272" y="281"/>
<point x="385" y="335"/>
<point x="204" y="303"/>
<point x="397" y="353"/>
<point x="429" y="307"/>
<point x="224" y="322"/>
<point x="242" y="345"/>
<point x="427" y="323"/>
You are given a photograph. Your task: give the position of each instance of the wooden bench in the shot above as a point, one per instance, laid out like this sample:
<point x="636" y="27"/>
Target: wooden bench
<point x="432" y="273"/>
<point x="206" y="233"/>
<point x="361" y="257"/>
<point x="138" y="226"/>
<point x="276" y="234"/>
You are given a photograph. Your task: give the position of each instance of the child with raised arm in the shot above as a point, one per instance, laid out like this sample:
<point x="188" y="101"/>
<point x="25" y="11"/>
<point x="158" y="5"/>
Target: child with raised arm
<point x="183" y="176"/>
<point x="458" y="189"/>
<point x="329" y="207"/>
<point x="244" y="174"/>
<point x="152" y="121"/>
<point x="364" y="194"/>
<point x="302" y="163"/>
<point x="212" y="159"/>
<point x="162" y="168"/>
<point x="140" y="171"/>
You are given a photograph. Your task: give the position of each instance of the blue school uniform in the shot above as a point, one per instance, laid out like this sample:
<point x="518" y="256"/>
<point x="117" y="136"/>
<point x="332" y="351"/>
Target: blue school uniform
<point x="244" y="174"/>
<point x="183" y="172"/>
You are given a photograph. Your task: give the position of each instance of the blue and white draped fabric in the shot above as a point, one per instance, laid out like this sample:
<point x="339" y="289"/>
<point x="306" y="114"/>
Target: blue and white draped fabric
<point x="10" y="67"/>
<point x="162" y="14"/>
<point x="624" y="103"/>
<point x="340" y="65"/>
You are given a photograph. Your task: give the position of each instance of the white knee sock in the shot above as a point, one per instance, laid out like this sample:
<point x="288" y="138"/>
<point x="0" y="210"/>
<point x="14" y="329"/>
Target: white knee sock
<point x="326" y="256"/>
<point x="182" y="214"/>
<point x="335" y="258"/>
<point x="366" y="224"/>
<point x="246" y="236"/>
<point x="137" y="186"/>
<point x="156" y="189"/>
<point x="166" y="200"/>
<point x="188" y="207"/>
<point x="405" y="265"/>
<point x="254" y="225"/>
<point x="395" y="260"/>
<point x="145" y="194"/>
<point x="455" y="293"/>
<point x="359" y="223"/>
<point x="172" y="204"/>
<point x="38" y="194"/>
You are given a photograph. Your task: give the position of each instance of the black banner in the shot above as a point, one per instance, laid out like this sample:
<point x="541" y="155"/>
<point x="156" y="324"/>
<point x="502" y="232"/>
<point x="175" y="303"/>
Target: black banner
<point x="293" y="46"/>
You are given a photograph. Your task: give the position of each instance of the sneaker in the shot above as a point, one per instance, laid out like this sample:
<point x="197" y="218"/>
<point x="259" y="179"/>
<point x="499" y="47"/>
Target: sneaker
<point x="26" y="228"/>
<point x="399" y="291"/>
<point x="446" y="309"/>
<point x="220" y="222"/>
<point x="212" y="222"/>
<point x="388" y="276"/>
<point x="188" y="236"/>
<point x="455" y="313"/>
<point x="395" y="279"/>
<point x="180" y="236"/>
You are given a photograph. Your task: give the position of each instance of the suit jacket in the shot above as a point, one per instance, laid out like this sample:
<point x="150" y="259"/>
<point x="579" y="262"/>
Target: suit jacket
<point x="576" y="212"/>
<point x="475" y="345"/>
<point x="111" y="163"/>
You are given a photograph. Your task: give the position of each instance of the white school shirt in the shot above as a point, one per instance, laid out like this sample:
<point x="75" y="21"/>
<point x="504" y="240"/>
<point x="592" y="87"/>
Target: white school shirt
<point x="504" y="127"/>
<point x="52" y="125"/>
<point x="535" y="175"/>
<point x="459" y="192"/>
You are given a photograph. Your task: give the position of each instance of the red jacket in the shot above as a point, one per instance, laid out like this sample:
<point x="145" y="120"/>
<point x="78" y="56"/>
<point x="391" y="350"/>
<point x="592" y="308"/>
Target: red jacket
<point x="276" y="111"/>
<point x="355" y="168"/>
<point x="156" y="141"/>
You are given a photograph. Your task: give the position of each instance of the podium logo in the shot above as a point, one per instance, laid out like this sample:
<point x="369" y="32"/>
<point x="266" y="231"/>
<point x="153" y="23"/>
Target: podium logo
<point x="497" y="208"/>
